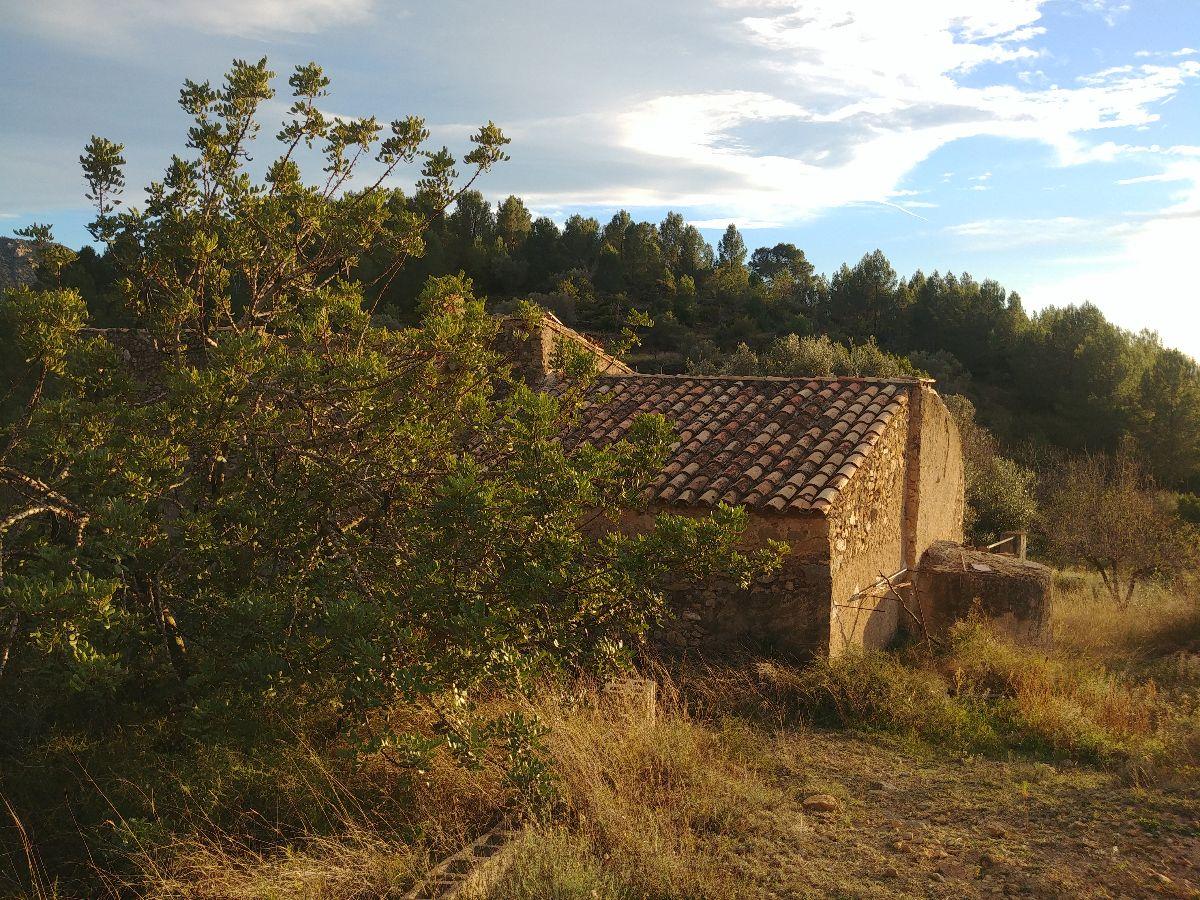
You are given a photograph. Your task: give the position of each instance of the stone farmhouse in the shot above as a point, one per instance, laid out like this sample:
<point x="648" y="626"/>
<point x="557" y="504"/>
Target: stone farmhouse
<point x="860" y="476"/>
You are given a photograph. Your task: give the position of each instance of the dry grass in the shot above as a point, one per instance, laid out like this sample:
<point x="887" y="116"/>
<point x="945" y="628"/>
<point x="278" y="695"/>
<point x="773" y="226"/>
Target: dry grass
<point x="665" y="801"/>
<point x="1162" y="620"/>
<point x="339" y="829"/>
<point x="703" y="801"/>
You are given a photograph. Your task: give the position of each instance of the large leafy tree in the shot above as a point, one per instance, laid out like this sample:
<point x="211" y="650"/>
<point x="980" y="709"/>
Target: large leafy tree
<point x="259" y="498"/>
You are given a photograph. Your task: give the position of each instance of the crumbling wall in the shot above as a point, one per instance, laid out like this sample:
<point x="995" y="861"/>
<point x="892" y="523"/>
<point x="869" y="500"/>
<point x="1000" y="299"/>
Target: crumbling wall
<point x="16" y="264"/>
<point x="534" y="354"/>
<point x="952" y="581"/>
<point x="866" y="539"/>
<point x="785" y="611"/>
<point x="935" y="493"/>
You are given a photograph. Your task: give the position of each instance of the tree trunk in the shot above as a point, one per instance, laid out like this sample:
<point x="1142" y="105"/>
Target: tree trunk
<point x="9" y="641"/>
<point x="169" y="629"/>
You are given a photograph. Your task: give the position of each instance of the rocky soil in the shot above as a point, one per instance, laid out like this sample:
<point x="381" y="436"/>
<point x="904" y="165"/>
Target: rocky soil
<point x="916" y="825"/>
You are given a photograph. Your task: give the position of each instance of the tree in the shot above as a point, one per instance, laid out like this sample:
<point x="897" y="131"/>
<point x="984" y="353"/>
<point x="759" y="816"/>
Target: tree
<point x="1167" y="418"/>
<point x="1078" y="369"/>
<point x="685" y="251"/>
<point x="615" y="231"/>
<point x="783" y="260"/>
<point x="581" y="243"/>
<point x="642" y="260"/>
<point x="542" y="252"/>
<point x="513" y="224"/>
<point x="863" y="299"/>
<point x="731" y="250"/>
<point x="284" y="506"/>
<point x="472" y="221"/>
<point x="1104" y="511"/>
<point x="999" y="492"/>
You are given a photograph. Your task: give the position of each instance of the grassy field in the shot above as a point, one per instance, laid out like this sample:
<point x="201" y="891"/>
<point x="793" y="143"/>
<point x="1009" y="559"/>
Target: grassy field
<point x="988" y="769"/>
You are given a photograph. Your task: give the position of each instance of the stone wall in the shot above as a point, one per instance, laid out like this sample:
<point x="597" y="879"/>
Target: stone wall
<point x="935" y="496"/>
<point x="953" y="581"/>
<point x="16" y="263"/>
<point x="786" y="611"/>
<point x="534" y="356"/>
<point x="866" y="539"/>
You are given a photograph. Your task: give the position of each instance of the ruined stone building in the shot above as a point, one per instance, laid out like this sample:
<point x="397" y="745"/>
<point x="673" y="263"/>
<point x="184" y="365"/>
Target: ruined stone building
<point x="16" y="263"/>
<point x="858" y="475"/>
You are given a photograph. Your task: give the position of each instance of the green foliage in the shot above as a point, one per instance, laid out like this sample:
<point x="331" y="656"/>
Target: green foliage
<point x="282" y="510"/>
<point x="804" y="356"/>
<point x="978" y="692"/>
<point x="1000" y="493"/>
<point x="1064" y="378"/>
<point x="877" y="692"/>
<point x="1167" y="420"/>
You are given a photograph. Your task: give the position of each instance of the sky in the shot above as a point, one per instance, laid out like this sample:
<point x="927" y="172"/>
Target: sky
<point x="1053" y="145"/>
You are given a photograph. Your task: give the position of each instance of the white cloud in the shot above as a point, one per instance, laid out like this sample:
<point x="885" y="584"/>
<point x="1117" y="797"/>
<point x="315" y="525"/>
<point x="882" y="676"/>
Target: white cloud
<point x="97" y="22"/>
<point x="1149" y="276"/>
<point x="1007" y="233"/>
<point x="747" y="224"/>
<point x="871" y="88"/>
<point x="1111" y="10"/>
<point x="1183" y="51"/>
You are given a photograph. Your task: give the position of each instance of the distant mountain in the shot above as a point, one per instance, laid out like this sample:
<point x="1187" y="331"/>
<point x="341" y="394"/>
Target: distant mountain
<point x="16" y="263"/>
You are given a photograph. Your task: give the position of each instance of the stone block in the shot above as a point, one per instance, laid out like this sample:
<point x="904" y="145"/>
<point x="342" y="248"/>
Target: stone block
<point x="952" y="580"/>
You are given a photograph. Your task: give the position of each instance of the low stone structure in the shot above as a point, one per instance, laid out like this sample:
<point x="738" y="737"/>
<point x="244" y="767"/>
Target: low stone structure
<point x="951" y="582"/>
<point x="16" y="264"/>
<point x="857" y="475"/>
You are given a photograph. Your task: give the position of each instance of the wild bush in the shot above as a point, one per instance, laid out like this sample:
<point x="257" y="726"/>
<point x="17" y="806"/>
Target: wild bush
<point x="1105" y="511"/>
<point x="277" y="513"/>
<point x="1000" y="492"/>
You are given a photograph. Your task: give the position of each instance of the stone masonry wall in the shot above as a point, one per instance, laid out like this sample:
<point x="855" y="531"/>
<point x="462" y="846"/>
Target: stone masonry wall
<point x="534" y="355"/>
<point x="785" y="611"/>
<point x="866" y="539"/>
<point x="936" y="485"/>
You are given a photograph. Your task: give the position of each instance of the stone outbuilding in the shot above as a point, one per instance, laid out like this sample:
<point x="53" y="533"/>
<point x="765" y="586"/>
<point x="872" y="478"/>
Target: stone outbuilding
<point x="952" y="582"/>
<point x="859" y="476"/>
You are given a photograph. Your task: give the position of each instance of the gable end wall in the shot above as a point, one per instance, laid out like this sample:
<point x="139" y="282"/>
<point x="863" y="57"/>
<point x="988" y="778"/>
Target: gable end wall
<point x="936" y="484"/>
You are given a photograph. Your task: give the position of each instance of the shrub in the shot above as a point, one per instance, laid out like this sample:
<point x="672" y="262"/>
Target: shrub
<point x="281" y="514"/>
<point x="806" y="356"/>
<point x="999" y="492"/>
<point x="1104" y="511"/>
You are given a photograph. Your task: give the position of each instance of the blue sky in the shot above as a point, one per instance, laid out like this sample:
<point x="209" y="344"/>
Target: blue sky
<point x="1051" y="144"/>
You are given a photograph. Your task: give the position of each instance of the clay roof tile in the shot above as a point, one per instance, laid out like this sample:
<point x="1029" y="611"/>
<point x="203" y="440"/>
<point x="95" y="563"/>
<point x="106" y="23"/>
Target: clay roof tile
<point x="773" y="444"/>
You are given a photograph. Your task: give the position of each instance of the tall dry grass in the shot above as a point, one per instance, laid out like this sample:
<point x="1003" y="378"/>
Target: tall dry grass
<point x="1162" y="620"/>
<point x="339" y="827"/>
<point x="674" y="807"/>
<point x="1114" y="685"/>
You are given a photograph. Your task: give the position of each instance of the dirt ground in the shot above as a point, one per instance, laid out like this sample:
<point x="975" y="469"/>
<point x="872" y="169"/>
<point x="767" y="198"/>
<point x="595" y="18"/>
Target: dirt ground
<point x="914" y="825"/>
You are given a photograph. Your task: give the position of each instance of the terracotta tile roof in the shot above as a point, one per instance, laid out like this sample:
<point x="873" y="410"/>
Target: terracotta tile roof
<point x="770" y="444"/>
